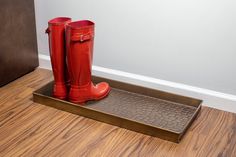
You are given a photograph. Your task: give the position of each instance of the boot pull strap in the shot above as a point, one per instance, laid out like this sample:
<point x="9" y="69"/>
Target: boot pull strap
<point x="47" y="31"/>
<point x="81" y="37"/>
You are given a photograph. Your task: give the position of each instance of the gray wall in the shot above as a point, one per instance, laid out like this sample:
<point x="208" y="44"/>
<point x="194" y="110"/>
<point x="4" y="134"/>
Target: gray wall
<point x="185" y="41"/>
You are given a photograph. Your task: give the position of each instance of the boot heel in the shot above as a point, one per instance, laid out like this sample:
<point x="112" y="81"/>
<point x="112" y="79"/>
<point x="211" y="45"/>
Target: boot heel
<point x="59" y="91"/>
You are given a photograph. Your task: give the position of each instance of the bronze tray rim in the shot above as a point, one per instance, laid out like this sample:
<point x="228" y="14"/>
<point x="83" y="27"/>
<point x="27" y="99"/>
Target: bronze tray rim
<point x="127" y="120"/>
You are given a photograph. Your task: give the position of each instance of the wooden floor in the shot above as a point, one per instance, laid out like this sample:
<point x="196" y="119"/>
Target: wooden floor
<point x="30" y="129"/>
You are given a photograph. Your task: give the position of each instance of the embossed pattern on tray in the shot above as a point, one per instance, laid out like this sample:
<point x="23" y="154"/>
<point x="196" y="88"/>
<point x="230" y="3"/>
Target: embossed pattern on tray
<point x="144" y="109"/>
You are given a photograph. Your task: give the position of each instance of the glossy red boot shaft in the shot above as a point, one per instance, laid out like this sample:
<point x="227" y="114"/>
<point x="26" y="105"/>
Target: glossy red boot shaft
<point x="79" y="43"/>
<point x="56" y="38"/>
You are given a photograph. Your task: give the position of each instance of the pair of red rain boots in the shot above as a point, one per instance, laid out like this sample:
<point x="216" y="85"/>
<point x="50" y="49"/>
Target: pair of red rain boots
<point x="71" y="52"/>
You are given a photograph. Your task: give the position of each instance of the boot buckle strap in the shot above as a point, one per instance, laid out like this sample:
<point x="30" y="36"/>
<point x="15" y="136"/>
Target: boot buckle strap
<point x="81" y="37"/>
<point x="47" y="30"/>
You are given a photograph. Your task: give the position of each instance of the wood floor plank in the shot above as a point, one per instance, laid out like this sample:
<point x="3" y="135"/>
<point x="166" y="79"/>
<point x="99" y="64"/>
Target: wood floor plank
<point x="31" y="129"/>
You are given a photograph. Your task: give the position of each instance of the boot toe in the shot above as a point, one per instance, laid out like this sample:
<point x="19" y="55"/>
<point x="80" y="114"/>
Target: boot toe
<point x="103" y="90"/>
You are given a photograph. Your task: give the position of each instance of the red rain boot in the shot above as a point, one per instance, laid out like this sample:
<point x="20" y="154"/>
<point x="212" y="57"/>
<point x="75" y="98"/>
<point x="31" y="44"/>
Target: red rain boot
<point x="79" y="44"/>
<point x="56" y="37"/>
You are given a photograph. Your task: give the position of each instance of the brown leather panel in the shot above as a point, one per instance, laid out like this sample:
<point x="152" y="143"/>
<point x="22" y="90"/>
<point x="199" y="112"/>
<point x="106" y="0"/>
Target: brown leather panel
<point x="18" y="44"/>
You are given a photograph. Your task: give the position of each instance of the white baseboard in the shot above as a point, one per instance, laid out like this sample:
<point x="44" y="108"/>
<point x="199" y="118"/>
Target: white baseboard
<point x="219" y="100"/>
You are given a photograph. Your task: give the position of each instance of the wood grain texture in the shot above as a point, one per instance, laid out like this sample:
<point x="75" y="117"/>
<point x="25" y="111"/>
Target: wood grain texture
<point x="30" y="129"/>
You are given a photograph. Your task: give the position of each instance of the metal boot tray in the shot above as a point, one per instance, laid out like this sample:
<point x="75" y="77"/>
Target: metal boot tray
<point x="136" y="108"/>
